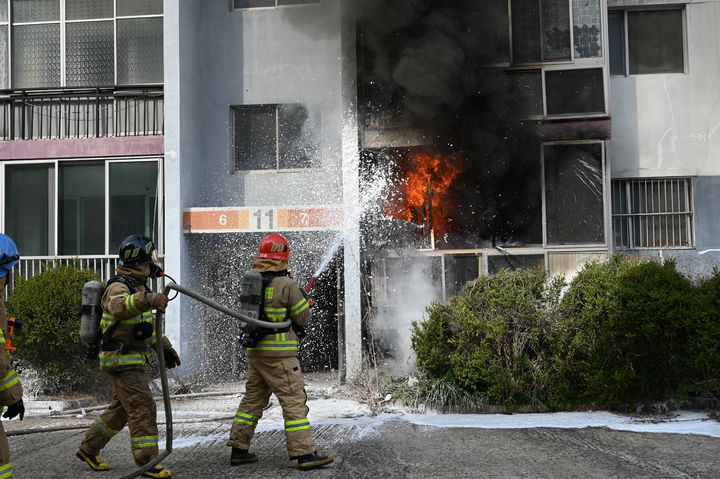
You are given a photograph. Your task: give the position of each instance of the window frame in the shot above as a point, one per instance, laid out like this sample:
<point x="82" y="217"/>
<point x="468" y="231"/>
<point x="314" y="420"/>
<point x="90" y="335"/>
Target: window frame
<point x="62" y="22"/>
<point x="54" y="208"/>
<point x="688" y="185"/>
<point x="233" y="159"/>
<point x="274" y="7"/>
<point x="626" y="44"/>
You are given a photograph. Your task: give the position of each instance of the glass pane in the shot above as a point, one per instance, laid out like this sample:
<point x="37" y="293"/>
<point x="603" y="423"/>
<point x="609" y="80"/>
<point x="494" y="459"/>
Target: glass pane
<point x="493" y="32"/>
<point x="3" y="12"/>
<point x="139" y="7"/>
<point x="81" y="9"/>
<point x="81" y="208"/>
<point x="526" y="31"/>
<point x="569" y="264"/>
<point x="4" y="70"/>
<point x="574" y="194"/>
<point x="616" y="31"/>
<point x="140" y="51"/>
<point x="556" y="30"/>
<point x="35" y="10"/>
<point x="587" y="29"/>
<point x="90" y="54"/>
<point x="526" y="92"/>
<point x="655" y="40"/>
<point x="575" y="91"/>
<point x="298" y="142"/>
<point x="133" y="201"/>
<point x="458" y="271"/>
<point x="253" y="3"/>
<point x="36" y="56"/>
<point x="514" y="262"/>
<point x="254" y="137"/>
<point x="27" y="208"/>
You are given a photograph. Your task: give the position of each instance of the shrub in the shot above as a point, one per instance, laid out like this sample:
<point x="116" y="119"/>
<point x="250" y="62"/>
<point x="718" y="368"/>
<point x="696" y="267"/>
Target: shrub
<point x="48" y="303"/>
<point x="492" y="337"/>
<point x="623" y="333"/>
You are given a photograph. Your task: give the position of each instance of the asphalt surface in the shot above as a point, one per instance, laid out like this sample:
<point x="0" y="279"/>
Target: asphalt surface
<point x="364" y="445"/>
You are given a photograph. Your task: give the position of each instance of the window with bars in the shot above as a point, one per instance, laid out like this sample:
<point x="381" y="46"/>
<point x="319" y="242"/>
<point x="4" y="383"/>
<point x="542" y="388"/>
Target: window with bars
<point x="652" y="213"/>
<point x="51" y="43"/>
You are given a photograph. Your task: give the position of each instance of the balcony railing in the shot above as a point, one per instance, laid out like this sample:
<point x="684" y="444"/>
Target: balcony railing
<point x="104" y="266"/>
<point x="42" y="114"/>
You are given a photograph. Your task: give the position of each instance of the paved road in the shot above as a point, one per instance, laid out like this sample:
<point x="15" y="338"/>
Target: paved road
<point x="397" y="449"/>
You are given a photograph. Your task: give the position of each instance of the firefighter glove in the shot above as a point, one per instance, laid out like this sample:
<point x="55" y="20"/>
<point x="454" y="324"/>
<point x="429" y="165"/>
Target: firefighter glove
<point x="299" y="331"/>
<point x="14" y="410"/>
<point x="156" y="300"/>
<point x="171" y="358"/>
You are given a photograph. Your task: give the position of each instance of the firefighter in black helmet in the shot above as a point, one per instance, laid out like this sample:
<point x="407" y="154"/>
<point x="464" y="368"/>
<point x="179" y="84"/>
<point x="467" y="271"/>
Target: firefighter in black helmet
<point x="128" y="332"/>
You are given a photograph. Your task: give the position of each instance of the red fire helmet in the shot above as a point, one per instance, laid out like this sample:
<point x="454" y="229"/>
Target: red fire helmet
<point x="274" y="246"/>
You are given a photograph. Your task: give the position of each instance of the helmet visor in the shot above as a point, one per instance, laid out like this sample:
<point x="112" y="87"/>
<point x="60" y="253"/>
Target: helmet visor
<point x="154" y="257"/>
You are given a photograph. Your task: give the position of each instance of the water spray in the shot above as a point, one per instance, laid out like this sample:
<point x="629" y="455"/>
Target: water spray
<point x="327" y="257"/>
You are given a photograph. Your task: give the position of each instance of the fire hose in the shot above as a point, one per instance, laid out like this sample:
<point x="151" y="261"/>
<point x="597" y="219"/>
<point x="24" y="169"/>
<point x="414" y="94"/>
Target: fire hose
<point x="159" y="330"/>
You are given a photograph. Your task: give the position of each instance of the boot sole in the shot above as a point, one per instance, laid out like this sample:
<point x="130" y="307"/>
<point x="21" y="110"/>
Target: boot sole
<point x="84" y="458"/>
<point x="314" y="465"/>
<point x="248" y="460"/>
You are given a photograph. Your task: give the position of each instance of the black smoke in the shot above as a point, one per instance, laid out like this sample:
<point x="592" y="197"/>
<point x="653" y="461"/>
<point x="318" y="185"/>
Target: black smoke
<point x="433" y="64"/>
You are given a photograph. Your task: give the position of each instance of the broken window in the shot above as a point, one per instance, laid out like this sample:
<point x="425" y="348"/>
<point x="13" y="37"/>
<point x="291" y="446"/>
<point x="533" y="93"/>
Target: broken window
<point x="573" y="175"/>
<point x="587" y="29"/>
<point x="654" y="40"/>
<point x="652" y="213"/>
<point x="514" y="262"/>
<point x="540" y="31"/>
<point x="575" y="91"/>
<point x="267" y="137"/>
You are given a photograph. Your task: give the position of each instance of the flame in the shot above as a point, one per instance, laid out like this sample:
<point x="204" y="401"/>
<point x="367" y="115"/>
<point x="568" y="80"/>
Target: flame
<point x="422" y="196"/>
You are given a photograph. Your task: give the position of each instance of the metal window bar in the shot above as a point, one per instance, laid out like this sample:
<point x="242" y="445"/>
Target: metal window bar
<point x="38" y="114"/>
<point x="652" y="213"/>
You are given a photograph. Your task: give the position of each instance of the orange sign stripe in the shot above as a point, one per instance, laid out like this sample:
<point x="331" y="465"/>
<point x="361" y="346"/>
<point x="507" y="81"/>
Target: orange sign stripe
<point x="216" y="220"/>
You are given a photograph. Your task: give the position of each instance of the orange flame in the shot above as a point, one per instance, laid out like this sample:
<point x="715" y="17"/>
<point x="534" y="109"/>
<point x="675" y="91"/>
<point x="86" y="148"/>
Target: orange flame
<point x="423" y="191"/>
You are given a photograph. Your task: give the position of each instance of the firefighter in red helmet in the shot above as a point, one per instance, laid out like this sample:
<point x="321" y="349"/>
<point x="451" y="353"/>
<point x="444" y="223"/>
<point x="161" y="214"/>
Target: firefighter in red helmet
<point x="273" y="366"/>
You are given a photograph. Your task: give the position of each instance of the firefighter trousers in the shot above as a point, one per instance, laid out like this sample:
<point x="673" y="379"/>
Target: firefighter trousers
<point x="281" y="376"/>
<point x="133" y="404"/>
<point x="5" y="464"/>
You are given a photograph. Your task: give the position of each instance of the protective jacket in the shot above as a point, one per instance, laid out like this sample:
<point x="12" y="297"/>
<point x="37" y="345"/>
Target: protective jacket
<point x="283" y="300"/>
<point x="126" y="311"/>
<point x="10" y="388"/>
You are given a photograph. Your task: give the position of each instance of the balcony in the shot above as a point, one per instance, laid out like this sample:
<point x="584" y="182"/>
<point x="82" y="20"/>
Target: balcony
<point x="45" y="114"/>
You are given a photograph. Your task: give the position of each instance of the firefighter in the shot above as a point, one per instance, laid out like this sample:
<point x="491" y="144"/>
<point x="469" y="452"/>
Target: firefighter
<point x="10" y="389"/>
<point x="128" y="332"/>
<point x="273" y="366"/>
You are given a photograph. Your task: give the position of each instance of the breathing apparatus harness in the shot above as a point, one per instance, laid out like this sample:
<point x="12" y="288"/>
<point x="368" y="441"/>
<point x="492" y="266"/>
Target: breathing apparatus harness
<point x="252" y="338"/>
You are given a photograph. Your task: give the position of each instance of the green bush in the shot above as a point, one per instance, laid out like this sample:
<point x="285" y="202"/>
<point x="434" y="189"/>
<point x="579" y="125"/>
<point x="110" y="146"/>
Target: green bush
<point x="491" y="337"/>
<point x="624" y="331"/>
<point x="49" y="303"/>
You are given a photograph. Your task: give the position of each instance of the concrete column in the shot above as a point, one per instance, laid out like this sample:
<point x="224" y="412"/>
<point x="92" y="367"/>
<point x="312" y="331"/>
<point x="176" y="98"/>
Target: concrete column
<point x="351" y="196"/>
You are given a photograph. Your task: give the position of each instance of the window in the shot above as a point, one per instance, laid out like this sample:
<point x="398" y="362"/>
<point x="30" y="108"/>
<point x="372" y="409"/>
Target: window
<point x="540" y="31"/>
<point x="80" y="204"/>
<point x="81" y="43"/>
<point x="646" y="41"/>
<point x="652" y="213"/>
<point x="577" y="91"/>
<point x="270" y="137"/>
<point x="514" y="262"/>
<point x="237" y="4"/>
<point x="573" y="193"/>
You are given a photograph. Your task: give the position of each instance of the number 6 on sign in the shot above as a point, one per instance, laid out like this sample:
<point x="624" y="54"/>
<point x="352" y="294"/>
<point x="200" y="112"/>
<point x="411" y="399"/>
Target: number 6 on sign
<point x="223" y="220"/>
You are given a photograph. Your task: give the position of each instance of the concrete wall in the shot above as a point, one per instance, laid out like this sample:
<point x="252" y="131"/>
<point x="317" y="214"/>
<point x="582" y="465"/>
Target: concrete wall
<point x="665" y="125"/>
<point x="669" y="125"/>
<point x="257" y="56"/>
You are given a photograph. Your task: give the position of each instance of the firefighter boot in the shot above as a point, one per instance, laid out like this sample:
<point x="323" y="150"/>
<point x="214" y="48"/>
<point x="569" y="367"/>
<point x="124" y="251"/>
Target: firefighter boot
<point x="242" y="456"/>
<point x="158" y="471"/>
<point x="93" y="461"/>
<point x="312" y="461"/>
